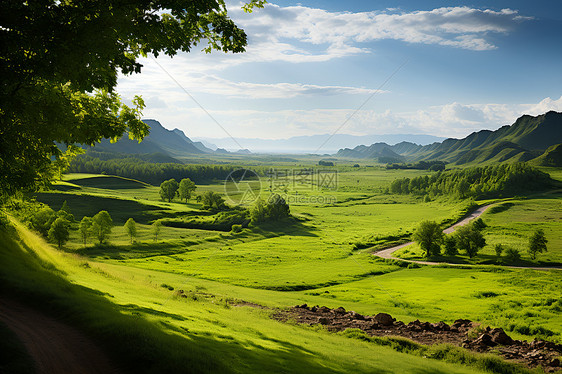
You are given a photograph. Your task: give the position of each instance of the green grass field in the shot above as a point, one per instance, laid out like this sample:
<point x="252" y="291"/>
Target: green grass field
<point x="321" y="257"/>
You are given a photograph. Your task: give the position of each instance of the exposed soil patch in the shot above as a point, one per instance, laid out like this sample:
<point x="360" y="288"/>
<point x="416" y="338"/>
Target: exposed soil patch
<point x="537" y="353"/>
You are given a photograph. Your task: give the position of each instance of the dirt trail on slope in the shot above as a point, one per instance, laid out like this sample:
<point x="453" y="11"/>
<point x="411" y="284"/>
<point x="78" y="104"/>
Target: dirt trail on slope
<point x="55" y="347"/>
<point x="387" y="253"/>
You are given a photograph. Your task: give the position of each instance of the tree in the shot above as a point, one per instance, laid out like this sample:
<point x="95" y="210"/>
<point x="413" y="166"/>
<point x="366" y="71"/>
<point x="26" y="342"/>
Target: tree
<point x="537" y="243"/>
<point x="429" y="237"/>
<point x="258" y="213"/>
<point x="102" y="225"/>
<point x="156" y="229"/>
<point x="512" y="255"/>
<point x="498" y="248"/>
<point x="277" y="208"/>
<point x="450" y="245"/>
<point x="85" y="228"/>
<point x="187" y="186"/>
<point x="59" y="65"/>
<point x="169" y="189"/>
<point x="42" y="220"/>
<point x="58" y="232"/>
<point x="469" y="240"/>
<point x="212" y="201"/>
<point x="131" y="228"/>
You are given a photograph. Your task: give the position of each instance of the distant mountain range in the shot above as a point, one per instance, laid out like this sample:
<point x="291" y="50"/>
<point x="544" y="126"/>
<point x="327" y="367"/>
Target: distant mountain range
<point x="314" y="143"/>
<point x="526" y="139"/>
<point x="172" y="143"/>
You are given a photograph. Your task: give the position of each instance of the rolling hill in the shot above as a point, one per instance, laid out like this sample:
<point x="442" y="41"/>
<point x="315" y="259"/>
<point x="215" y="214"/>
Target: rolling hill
<point x="160" y="140"/>
<point x="524" y="140"/>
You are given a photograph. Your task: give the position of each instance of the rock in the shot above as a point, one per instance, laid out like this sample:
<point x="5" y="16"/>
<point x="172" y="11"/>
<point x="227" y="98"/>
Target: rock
<point x="500" y="337"/>
<point x="323" y="320"/>
<point x="356" y="316"/>
<point x="462" y="323"/>
<point x="384" y="319"/>
<point x="324" y="309"/>
<point x="426" y="326"/>
<point x="440" y="326"/>
<point x="339" y="310"/>
<point x="313" y="309"/>
<point x="485" y="339"/>
<point x="303" y="306"/>
<point x="554" y="363"/>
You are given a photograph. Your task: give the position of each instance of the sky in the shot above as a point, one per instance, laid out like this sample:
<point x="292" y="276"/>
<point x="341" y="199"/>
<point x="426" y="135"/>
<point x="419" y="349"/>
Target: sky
<point x="444" y="68"/>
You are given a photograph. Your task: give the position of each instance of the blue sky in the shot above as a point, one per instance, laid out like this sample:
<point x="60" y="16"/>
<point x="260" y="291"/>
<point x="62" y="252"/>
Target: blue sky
<point x="458" y="67"/>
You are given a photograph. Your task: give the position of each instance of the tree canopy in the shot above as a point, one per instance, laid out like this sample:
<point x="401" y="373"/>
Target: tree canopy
<point x="59" y="64"/>
<point x="429" y="237"/>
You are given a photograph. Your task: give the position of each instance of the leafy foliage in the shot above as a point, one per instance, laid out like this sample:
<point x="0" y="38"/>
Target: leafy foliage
<point x="131" y="228"/>
<point x="186" y="189"/>
<point x="85" y="228"/>
<point x="59" y="63"/>
<point x="212" y="201"/>
<point x="168" y="189"/>
<point x="59" y="231"/>
<point x="479" y="182"/>
<point x="450" y="245"/>
<point x="274" y="209"/>
<point x="537" y="243"/>
<point x="469" y="239"/>
<point x="429" y="236"/>
<point x="102" y="225"/>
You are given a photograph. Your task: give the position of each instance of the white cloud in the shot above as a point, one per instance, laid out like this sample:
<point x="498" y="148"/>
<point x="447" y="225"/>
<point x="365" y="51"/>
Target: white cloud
<point x="276" y="32"/>
<point x="449" y="120"/>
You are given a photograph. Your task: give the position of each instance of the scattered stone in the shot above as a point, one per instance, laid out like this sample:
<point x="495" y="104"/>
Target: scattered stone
<point x="384" y="319"/>
<point x="500" y="337"/>
<point x="323" y="320"/>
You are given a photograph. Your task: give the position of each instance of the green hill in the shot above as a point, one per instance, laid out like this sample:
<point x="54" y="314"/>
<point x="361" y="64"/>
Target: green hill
<point x="551" y="157"/>
<point x="524" y="140"/>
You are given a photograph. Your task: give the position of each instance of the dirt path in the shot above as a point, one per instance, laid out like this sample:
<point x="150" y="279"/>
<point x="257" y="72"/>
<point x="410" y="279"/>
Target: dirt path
<point x="54" y="346"/>
<point x="387" y="253"/>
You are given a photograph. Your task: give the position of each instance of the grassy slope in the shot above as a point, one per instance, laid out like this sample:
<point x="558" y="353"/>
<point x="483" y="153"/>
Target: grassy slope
<point x="146" y="330"/>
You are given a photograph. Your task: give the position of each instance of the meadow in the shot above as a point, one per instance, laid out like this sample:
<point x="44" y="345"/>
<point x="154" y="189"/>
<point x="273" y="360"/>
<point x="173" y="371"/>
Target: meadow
<point x="322" y="256"/>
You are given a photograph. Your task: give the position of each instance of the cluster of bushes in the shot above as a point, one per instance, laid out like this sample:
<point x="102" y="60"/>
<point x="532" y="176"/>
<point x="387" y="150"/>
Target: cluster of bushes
<point x="432" y="241"/>
<point x="274" y="209"/>
<point x="171" y="188"/>
<point x="421" y="165"/>
<point x="478" y="182"/>
<point x="469" y="239"/>
<point x="222" y="221"/>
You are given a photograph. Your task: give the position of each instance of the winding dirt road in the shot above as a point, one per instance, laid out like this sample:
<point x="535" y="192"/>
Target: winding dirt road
<point x="387" y="253"/>
<point x="54" y="346"/>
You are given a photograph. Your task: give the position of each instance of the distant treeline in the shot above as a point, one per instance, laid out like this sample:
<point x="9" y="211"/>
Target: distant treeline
<point x="478" y="182"/>
<point x="150" y="172"/>
<point x="421" y="165"/>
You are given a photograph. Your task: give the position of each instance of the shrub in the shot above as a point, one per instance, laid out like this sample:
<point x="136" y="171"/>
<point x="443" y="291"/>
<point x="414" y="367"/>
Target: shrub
<point x="537" y="243"/>
<point x="236" y="228"/>
<point x="429" y="237"/>
<point x="512" y="255"/>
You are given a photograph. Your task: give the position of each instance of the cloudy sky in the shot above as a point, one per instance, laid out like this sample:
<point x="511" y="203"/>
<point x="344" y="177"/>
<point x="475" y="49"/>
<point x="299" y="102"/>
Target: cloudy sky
<point x="375" y="67"/>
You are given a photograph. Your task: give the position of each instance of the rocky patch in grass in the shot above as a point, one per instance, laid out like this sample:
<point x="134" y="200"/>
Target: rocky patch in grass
<point x="462" y="332"/>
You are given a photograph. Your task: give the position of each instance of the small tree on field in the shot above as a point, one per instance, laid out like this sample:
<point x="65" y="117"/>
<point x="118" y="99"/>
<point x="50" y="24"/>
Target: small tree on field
<point x="213" y="201"/>
<point x="131" y="228"/>
<point x="85" y="228"/>
<point x="429" y="237"/>
<point x="450" y="245"/>
<point x="186" y="189"/>
<point x="156" y="229"/>
<point x="169" y="189"/>
<point x="469" y="240"/>
<point x="537" y="243"/>
<point x="58" y="232"/>
<point x="499" y="250"/>
<point x="102" y="225"/>
<point x="512" y="255"/>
